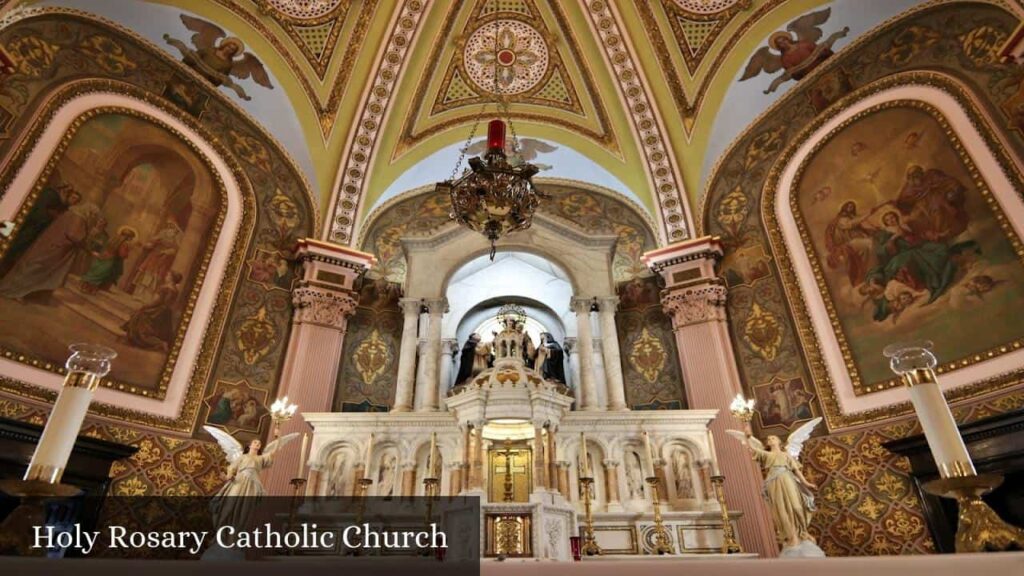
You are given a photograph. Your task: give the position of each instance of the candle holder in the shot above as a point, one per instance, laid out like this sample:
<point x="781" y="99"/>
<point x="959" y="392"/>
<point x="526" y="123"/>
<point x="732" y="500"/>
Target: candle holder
<point x="979" y="528"/>
<point x="431" y="489"/>
<point x="589" y="541"/>
<point x="729" y="543"/>
<point x="281" y="411"/>
<point x="293" y="505"/>
<point x="662" y="541"/>
<point x="742" y="409"/>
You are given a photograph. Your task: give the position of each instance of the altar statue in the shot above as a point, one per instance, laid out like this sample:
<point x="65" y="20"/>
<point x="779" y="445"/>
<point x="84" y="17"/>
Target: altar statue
<point x="550" y="361"/>
<point x="234" y="502"/>
<point x="474" y="359"/>
<point x="787" y="491"/>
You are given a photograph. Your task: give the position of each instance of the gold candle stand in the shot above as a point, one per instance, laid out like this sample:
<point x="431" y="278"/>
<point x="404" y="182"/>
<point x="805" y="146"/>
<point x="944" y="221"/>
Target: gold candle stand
<point x="662" y="542"/>
<point x="589" y="544"/>
<point x="729" y="543"/>
<point x="979" y="528"/>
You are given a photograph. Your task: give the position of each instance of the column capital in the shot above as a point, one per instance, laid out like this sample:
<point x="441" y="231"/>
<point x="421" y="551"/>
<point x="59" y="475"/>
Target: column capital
<point x="323" y="306"/>
<point x="610" y="463"/>
<point x="607" y="303"/>
<point x="695" y="304"/>
<point x="411" y="306"/>
<point x="407" y="466"/>
<point x="569" y="344"/>
<point x="449" y="346"/>
<point x="581" y="305"/>
<point x="436" y="306"/>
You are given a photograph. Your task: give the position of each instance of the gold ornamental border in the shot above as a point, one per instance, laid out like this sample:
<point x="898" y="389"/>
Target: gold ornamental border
<point x="809" y="341"/>
<point x="230" y="279"/>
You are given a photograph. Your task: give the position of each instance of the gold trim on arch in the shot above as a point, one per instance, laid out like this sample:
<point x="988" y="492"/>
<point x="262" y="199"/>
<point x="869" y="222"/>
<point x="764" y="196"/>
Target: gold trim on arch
<point x="788" y="277"/>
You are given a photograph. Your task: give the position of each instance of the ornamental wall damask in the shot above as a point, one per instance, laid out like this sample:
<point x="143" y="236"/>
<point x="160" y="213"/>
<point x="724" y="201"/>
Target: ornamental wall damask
<point x="773" y="363"/>
<point x="369" y="366"/>
<point x="650" y="361"/>
<point x="244" y="349"/>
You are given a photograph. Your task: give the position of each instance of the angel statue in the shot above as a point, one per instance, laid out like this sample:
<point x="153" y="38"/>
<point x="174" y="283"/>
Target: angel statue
<point x="218" y="57"/>
<point x="243" y="476"/>
<point x="787" y="491"/>
<point x="796" y="56"/>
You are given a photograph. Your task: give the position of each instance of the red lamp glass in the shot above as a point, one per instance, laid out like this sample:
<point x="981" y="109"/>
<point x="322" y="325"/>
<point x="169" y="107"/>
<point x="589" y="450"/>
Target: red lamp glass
<point x="496" y="136"/>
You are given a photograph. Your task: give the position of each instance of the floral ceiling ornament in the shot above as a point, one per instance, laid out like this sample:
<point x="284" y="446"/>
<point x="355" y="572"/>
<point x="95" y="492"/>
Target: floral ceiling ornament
<point x="506" y="57"/>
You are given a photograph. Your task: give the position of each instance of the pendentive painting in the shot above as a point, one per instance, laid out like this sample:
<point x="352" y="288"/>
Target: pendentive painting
<point x="108" y="249"/>
<point x="908" y="241"/>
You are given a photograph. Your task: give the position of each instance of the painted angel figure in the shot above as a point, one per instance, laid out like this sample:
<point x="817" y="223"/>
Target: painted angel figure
<point x="798" y="55"/>
<point x="235" y="501"/>
<point x="787" y="491"/>
<point x="218" y="56"/>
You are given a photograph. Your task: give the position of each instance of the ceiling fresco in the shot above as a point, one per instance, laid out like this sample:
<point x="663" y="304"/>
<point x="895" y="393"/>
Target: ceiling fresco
<point x="367" y="94"/>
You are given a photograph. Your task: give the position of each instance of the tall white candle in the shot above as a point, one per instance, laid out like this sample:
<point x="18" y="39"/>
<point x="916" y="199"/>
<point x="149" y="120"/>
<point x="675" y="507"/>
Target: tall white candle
<point x="302" y="456"/>
<point x="649" y="472"/>
<point x="585" y="456"/>
<point x="947" y="446"/>
<point x="369" y="453"/>
<point x="58" y="438"/>
<point x="714" y="454"/>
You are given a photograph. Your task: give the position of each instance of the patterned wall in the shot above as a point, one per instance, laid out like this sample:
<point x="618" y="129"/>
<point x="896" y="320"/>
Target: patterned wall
<point x="650" y="361"/>
<point x="961" y="39"/>
<point x="867" y="504"/>
<point x="369" y="366"/>
<point x="50" y="51"/>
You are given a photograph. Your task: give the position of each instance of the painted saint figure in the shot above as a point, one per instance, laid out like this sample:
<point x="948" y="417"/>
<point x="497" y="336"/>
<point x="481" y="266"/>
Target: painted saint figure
<point x="152" y="326"/>
<point x="108" y="262"/>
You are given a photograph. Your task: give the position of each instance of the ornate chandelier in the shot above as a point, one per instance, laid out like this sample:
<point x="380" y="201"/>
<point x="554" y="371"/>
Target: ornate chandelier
<point x="495" y="195"/>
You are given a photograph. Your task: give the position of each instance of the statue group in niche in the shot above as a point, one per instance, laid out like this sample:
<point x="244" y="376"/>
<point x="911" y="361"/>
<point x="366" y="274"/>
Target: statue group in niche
<point x="547" y="359"/>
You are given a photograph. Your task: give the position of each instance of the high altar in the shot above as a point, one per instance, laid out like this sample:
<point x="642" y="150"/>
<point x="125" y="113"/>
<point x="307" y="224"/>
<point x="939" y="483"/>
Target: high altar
<point x="508" y="436"/>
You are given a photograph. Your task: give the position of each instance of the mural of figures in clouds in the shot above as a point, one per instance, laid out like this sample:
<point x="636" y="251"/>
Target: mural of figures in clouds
<point x="796" y="51"/>
<point x="110" y="248"/>
<point x="906" y="237"/>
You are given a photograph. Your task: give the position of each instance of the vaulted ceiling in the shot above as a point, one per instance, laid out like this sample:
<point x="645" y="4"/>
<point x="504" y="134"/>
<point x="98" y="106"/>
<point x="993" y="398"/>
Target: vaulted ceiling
<point x="372" y="97"/>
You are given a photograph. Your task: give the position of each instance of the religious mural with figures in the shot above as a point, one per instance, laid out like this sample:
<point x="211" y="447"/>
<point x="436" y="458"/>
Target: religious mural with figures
<point x="904" y="235"/>
<point x="916" y="162"/>
<point x="110" y="247"/>
<point x="650" y="366"/>
<point x="134" y="234"/>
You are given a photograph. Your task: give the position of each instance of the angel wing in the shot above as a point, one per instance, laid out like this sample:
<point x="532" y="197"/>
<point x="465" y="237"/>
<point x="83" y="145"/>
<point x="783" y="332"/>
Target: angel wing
<point x="807" y="28"/>
<point x="744" y="439"/>
<point x="795" y="442"/>
<point x="206" y="33"/>
<point x="279" y="443"/>
<point x="764" y="60"/>
<point x="249" y="65"/>
<point x="232" y="448"/>
<point x="538" y="145"/>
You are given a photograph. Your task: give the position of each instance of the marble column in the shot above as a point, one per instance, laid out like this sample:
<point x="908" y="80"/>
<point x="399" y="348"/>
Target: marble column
<point x="552" y="470"/>
<point x="407" y="355"/>
<point x="610" y="350"/>
<point x="455" y="473"/>
<point x="420" y="387"/>
<point x="573" y="354"/>
<point x="477" y="474"/>
<point x="611" y="483"/>
<point x="467" y="455"/>
<point x="432" y="374"/>
<point x="449" y="346"/>
<point x="539" y="461"/>
<point x="695" y="299"/>
<point x="324" y="297"/>
<point x="585" y="343"/>
<point x="409" y="479"/>
<point x="563" y="479"/>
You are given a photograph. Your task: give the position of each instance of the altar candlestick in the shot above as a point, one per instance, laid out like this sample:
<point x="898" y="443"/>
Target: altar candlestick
<point x="369" y="453"/>
<point x="302" y="456"/>
<point x="86" y="366"/>
<point x="650" y="455"/>
<point x="714" y="454"/>
<point x="431" y="459"/>
<point x="585" y="457"/>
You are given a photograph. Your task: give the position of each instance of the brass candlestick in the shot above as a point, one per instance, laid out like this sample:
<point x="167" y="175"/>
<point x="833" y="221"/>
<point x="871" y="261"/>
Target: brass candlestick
<point x="729" y="543"/>
<point x="589" y="545"/>
<point x="979" y="528"/>
<point x="662" y="542"/>
<point x="293" y="506"/>
<point x="362" y="488"/>
<point x="431" y="488"/>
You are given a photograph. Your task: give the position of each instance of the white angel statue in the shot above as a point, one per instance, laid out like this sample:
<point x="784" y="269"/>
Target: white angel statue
<point x="243" y="476"/>
<point x="787" y="491"/>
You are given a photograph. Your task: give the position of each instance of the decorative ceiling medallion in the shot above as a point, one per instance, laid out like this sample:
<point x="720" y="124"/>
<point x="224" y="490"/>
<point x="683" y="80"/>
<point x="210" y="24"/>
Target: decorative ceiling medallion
<point x="706" y="7"/>
<point x="508" y="55"/>
<point x="303" y="11"/>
